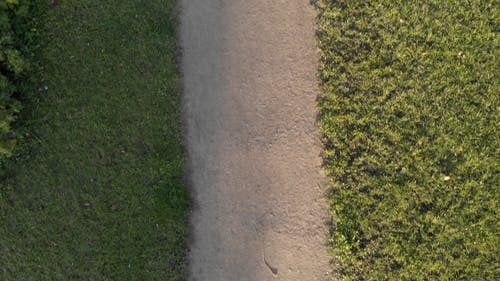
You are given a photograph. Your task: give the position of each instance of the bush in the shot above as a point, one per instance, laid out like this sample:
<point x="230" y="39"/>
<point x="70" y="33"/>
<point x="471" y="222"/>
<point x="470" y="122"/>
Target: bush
<point x="13" y="67"/>
<point x="410" y="116"/>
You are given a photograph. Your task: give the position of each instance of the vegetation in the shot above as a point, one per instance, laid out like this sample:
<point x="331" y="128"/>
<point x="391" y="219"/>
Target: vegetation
<point x="409" y="114"/>
<point x="14" y="18"/>
<point x="95" y="190"/>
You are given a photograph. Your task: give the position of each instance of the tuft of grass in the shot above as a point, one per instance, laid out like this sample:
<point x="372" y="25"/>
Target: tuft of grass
<point x="409" y="115"/>
<point x="96" y="192"/>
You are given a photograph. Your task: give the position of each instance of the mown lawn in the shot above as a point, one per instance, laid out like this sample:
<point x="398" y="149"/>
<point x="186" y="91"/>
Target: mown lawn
<point x="96" y="191"/>
<point x="410" y="117"/>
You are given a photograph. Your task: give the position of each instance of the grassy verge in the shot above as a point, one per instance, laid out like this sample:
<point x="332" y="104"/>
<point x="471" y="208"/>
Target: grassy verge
<point x="97" y="193"/>
<point x="410" y="114"/>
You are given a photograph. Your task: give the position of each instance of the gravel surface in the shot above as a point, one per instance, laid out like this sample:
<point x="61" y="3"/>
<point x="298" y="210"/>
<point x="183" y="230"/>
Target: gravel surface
<point x="254" y="161"/>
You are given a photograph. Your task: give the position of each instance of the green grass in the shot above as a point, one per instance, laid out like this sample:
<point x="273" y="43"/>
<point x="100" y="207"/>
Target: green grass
<point x="96" y="192"/>
<point x="410" y="113"/>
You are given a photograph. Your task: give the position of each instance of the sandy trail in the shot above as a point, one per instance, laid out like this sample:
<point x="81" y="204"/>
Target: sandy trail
<point x="253" y="152"/>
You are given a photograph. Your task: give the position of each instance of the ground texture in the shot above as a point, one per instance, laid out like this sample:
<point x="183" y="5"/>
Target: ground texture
<point x="254" y="156"/>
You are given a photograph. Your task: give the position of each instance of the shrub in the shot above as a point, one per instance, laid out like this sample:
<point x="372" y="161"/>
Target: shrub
<point x="13" y="67"/>
<point x="409" y="116"/>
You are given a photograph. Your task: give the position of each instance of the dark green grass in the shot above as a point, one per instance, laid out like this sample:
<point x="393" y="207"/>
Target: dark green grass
<point x="410" y="115"/>
<point x="97" y="192"/>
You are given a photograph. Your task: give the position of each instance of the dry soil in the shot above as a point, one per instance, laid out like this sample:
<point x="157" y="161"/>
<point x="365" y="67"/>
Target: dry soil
<point x="253" y="152"/>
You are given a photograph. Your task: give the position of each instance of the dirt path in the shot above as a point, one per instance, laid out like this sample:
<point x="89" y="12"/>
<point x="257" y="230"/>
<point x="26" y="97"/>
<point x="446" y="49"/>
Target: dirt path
<point x="249" y="104"/>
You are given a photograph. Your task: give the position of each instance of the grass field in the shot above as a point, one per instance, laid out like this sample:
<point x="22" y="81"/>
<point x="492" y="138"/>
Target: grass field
<point x="410" y="117"/>
<point x="95" y="191"/>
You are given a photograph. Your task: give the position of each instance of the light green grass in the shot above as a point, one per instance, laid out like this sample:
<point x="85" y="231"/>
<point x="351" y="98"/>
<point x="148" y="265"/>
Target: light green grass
<point x="410" y="119"/>
<point x="97" y="192"/>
